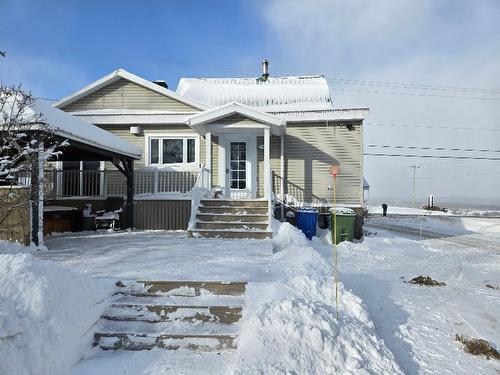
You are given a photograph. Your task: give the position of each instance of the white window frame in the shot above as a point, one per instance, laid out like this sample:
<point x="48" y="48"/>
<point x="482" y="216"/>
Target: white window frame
<point x="184" y="137"/>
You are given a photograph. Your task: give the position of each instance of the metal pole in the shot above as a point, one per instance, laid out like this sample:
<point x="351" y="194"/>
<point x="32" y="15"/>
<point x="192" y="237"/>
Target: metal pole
<point x="414" y="181"/>
<point x="335" y="245"/>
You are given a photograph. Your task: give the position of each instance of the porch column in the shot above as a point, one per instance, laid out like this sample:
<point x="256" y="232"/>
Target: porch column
<point x="267" y="165"/>
<point x="129" y="167"/>
<point x="208" y="157"/>
<point x="37" y="185"/>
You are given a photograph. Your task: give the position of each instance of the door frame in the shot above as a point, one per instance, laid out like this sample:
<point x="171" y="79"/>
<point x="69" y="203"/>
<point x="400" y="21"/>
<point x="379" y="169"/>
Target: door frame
<point x="251" y="180"/>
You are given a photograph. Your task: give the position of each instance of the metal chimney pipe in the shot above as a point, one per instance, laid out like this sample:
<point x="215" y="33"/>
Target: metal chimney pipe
<point x="265" y="70"/>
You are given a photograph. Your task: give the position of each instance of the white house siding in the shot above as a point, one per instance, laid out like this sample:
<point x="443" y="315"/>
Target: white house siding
<point x="310" y="150"/>
<point x="124" y="94"/>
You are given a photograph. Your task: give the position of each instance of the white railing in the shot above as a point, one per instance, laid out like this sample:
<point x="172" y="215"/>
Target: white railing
<point x="200" y="189"/>
<point x="75" y="184"/>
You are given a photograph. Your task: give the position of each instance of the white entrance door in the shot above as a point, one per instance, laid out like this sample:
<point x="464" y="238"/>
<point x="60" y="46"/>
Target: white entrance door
<point x="238" y="166"/>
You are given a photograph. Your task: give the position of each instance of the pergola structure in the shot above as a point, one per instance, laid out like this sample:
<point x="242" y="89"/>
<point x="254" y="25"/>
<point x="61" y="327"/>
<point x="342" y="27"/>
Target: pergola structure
<point x="86" y="142"/>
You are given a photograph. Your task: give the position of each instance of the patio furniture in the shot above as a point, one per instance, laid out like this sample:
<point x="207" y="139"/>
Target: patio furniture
<point x="111" y="215"/>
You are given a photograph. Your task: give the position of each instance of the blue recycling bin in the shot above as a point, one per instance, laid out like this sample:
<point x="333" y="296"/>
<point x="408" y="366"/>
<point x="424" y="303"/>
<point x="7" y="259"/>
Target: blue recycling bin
<point x="307" y="219"/>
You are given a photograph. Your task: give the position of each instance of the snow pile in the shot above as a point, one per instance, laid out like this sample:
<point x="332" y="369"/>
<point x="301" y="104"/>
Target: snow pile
<point x="291" y="326"/>
<point x="46" y="315"/>
<point x="7" y="247"/>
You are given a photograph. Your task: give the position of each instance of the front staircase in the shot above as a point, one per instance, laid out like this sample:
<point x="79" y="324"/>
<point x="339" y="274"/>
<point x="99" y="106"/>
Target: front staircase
<point x="232" y="218"/>
<point x="173" y="315"/>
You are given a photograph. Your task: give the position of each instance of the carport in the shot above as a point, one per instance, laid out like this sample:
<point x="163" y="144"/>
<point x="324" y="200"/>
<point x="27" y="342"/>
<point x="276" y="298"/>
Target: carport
<point x="86" y="142"/>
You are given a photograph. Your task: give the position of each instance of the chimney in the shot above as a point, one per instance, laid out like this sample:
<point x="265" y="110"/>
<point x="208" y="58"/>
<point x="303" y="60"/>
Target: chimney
<point x="161" y="82"/>
<point x="265" y="70"/>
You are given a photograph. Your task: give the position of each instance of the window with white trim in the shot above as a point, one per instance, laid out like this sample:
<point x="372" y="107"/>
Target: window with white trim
<point x="172" y="150"/>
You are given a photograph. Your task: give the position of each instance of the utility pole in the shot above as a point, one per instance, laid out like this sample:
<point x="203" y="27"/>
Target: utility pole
<point x="414" y="181"/>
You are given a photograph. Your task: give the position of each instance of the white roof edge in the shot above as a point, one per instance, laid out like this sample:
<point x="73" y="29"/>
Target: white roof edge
<point x="344" y="114"/>
<point x="122" y="73"/>
<point x="232" y="108"/>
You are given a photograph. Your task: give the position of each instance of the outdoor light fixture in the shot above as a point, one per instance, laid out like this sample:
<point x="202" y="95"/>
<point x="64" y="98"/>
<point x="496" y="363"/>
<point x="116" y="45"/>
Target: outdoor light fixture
<point x="136" y="130"/>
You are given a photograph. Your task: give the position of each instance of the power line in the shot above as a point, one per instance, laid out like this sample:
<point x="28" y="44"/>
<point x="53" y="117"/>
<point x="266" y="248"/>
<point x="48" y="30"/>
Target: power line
<point x="416" y="94"/>
<point x="430" y="126"/>
<point x="458" y="176"/>
<point x="434" y="148"/>
<point x="433" y="156"/>
<point x="415" y="86"/>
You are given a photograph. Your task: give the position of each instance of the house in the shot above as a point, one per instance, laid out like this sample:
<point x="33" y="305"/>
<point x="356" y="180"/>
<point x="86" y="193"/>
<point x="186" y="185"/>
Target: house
<point x="256" y="142"/>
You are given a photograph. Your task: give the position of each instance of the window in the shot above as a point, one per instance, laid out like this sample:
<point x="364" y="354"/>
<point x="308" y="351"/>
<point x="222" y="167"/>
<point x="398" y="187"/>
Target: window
<point x="171" y="150"/>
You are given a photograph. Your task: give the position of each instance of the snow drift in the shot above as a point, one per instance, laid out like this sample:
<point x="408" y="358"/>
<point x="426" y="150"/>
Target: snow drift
<point x="291" y="326"/>
<point x="46" y="315"/>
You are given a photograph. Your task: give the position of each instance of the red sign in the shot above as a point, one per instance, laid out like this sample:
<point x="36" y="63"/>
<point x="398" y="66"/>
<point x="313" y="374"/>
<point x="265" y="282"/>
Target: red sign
<point x="335" y="170"/>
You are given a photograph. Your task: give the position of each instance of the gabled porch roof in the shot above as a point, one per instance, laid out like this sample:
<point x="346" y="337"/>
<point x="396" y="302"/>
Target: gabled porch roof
<point x="201" y="122"/>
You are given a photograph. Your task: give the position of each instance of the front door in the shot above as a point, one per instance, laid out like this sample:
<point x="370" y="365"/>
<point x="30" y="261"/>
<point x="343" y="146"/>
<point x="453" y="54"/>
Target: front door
<point x="239" y="167"/>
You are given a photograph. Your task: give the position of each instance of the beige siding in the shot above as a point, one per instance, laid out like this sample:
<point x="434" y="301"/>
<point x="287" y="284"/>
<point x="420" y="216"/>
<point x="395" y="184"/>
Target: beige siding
<point x="236" y="119"/>
<point x="310" y="150"/>
<point x="123" y="131"/>
<point x="275" y="165"/>
<point x="124" y="94"/>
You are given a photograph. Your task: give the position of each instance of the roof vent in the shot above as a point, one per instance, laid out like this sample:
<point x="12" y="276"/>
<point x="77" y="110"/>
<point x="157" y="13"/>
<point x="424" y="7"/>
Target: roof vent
<point x="265" y="70"/>
<point x="161" y="82"/>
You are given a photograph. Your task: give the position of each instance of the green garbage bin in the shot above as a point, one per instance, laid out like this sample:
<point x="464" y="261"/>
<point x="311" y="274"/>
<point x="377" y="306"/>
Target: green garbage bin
<point x="345" y="224"/>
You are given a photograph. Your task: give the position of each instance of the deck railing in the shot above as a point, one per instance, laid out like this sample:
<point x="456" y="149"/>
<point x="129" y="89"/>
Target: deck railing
<point x="74" y="184"/>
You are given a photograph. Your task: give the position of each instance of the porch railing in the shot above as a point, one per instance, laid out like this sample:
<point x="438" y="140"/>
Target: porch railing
<point x="200" y="189"/>
<point x="74" y="184"/>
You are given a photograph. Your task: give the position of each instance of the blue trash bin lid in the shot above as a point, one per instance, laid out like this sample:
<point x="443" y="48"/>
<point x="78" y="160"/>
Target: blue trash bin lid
<point x="307" y="210"/>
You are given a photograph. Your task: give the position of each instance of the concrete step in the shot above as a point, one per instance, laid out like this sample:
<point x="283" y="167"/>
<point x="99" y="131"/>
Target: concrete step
<point x="232" y="210"/>
<point x="235" y="202"/>
<point x="232" y="218"/>
<point x="234" y="233"/>
<point x="231" y="225"/>
<point x="193" y="288"/>
<point x="125" y="341"/>
<point x="159" y="313"/>
<point x="205" y="299"/>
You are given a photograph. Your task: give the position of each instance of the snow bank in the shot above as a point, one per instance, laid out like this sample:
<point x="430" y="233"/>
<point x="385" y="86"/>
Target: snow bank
<point x="46" y="315"/>
<point x="291" y="326"/>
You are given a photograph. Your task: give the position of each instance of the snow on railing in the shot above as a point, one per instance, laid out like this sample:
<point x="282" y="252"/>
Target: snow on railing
<point x="102" y="183"/>
<point x="200" y="189"/>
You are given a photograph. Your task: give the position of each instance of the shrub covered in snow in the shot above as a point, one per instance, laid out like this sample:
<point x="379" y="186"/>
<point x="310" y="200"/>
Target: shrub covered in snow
<point x="46" y="315"/>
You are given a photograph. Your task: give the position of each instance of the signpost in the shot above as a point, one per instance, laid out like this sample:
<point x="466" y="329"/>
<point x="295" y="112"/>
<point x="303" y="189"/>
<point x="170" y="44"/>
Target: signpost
<point x="334" y="171"/>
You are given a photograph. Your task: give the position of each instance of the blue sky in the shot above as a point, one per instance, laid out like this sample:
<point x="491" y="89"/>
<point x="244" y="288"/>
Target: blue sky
<point x="57" y="47"/>
<point x="160" y="40"/>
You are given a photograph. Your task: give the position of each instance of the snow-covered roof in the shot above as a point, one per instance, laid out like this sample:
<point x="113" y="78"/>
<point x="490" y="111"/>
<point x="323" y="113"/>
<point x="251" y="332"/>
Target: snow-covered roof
<point x="294" y="93"/>
<point x="71" y="127"/>
<point x="133" y="116"/>
<point x="123" y="74"/>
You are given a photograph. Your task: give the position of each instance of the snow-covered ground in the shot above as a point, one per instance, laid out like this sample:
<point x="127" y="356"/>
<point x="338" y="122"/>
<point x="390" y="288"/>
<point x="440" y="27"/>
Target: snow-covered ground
<point x="385" y="326"/>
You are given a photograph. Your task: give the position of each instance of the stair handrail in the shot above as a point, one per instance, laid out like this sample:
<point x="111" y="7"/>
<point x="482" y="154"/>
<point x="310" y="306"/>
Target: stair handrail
<point x="200" y="189"/>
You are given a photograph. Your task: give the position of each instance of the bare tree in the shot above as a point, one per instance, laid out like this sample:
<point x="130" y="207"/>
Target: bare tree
<point x="25" y="138"/>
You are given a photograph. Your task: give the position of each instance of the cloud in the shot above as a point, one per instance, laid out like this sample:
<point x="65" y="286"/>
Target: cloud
<point x="436" y="42"/>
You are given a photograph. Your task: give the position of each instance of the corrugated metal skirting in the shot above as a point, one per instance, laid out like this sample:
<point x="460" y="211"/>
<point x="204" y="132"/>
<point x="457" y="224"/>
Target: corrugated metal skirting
<point x="162" y="214"/>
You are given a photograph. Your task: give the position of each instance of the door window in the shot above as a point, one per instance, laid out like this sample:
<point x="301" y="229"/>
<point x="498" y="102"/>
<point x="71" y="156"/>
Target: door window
<point x="238" y="170"/>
